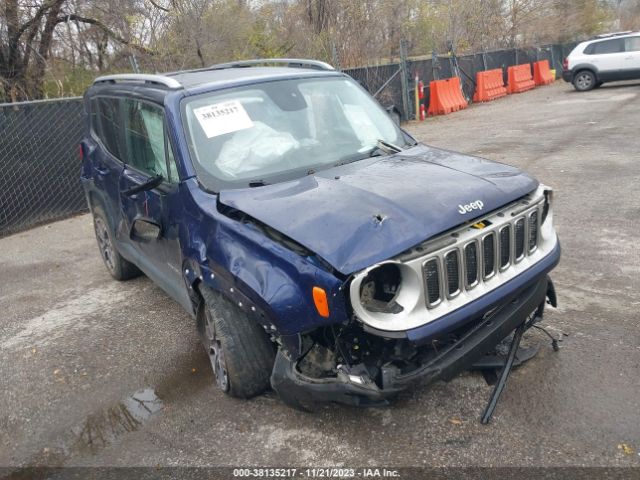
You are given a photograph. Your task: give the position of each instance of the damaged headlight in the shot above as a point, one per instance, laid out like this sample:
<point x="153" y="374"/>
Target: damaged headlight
<point x="389" y="289"/>
<point x="380" y="288"/>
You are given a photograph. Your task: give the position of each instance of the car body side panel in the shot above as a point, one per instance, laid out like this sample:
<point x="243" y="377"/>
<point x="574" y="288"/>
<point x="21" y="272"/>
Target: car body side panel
<point x="632" y="59"/>
<point x="102" y="170"/>
<point x="610" y="65"/>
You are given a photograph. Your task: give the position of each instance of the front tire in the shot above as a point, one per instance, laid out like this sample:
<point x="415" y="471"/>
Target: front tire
<point x="240" y="352"/>
<point x="584" y="81"/>
<point x="117" y="266"/>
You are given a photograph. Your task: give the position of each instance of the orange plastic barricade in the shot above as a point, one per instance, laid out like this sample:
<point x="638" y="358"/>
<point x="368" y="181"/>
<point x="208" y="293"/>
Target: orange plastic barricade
<point x="445" y="96"/>
<point x="520" y="79"/>
<point x="542" y="73"/>
<point x="489" y="86"/>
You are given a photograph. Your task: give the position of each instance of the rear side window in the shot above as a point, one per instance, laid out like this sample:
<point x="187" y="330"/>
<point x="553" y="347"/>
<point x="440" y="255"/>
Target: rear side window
<point x="632" y="44"/>
<point x="615" y="45"/>
<point x="110" y="124"/>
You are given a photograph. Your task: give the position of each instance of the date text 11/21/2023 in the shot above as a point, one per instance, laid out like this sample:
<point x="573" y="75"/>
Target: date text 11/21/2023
<point x="321" y="472"/>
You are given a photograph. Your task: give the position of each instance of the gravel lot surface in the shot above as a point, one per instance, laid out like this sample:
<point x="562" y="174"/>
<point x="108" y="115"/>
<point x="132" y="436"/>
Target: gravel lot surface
<point x="96" y="372"/>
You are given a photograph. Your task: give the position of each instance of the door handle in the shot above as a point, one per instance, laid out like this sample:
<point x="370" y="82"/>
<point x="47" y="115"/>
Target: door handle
<point x="102" y="170"/>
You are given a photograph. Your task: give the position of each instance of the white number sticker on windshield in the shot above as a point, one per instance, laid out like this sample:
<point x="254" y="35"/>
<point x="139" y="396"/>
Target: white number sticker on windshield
<point x="222" y="118"/>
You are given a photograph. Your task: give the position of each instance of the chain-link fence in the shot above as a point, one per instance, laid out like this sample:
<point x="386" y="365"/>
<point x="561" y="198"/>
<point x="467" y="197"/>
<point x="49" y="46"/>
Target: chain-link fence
<point x="385" y="81"/>
<point x="40" y="179"/>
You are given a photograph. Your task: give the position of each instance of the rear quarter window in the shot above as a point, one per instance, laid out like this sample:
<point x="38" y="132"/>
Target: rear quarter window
<point x="615" y="45"/>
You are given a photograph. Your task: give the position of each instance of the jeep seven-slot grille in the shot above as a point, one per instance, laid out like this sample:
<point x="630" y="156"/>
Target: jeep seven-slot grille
<point x="432" y="281"/>
<point x="505" y="247"/>
<point x="471" y="264"/>
<point x="453" y="273"/>
<point x="519" y="239"/>
<point x="533" y="231"/>
<point x="464" y="266"/>
<point x="489" y="254"/>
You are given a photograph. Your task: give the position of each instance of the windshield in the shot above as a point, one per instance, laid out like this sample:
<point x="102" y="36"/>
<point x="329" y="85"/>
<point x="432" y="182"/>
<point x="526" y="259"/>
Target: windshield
<point x="269" y="132"/>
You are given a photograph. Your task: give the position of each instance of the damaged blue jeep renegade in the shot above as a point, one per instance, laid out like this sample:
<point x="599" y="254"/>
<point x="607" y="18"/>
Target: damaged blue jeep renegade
<point x="322" y="251"/>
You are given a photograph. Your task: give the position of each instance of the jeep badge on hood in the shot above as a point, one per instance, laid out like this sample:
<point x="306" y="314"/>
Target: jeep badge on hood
<point x="477" y="205"/>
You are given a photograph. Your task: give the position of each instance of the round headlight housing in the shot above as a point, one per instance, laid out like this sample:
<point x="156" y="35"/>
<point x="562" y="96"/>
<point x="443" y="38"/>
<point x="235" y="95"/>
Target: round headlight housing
<point x="388" y="290"/>
<point x="380" y="288"/>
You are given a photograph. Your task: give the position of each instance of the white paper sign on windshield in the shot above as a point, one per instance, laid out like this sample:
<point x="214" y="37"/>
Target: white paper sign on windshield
<point x="221" y="118"/>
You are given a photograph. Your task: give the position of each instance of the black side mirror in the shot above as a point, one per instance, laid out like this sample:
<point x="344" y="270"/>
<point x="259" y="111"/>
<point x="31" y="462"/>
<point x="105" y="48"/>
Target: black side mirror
<point x="145" y="230"/>
<point x="153" y="182"/>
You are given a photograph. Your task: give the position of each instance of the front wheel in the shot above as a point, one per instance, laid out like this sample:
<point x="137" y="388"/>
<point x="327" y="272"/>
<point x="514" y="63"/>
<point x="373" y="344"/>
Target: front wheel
<point x="240" y="352"/>
<point x="584" y="81"/>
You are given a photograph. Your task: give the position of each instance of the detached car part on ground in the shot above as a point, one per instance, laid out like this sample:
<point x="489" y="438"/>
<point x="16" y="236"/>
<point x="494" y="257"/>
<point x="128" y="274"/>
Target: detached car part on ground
<point x="322" y="250"/>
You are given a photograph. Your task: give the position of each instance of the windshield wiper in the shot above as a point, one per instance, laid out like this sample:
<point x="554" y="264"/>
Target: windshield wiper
<point x="381" y="146"/>
<point x="388" y="147"/>
<point x="384" y="147"/>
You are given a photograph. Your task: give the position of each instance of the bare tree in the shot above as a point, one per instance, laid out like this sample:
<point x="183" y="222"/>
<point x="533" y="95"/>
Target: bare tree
<point x="319" y="12"/>
<point x="63" y="39"/>
<point x="27" y="42"/>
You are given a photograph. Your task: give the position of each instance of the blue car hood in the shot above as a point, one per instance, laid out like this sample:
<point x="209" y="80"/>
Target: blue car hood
<point x="379" y="207"/>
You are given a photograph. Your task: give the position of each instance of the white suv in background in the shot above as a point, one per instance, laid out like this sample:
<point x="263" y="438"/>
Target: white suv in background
<point x="605" y="58"/>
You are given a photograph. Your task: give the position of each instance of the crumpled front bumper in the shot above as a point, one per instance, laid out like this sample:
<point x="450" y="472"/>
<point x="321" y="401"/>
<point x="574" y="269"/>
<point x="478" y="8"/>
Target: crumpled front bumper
<point x="354" y="388"/>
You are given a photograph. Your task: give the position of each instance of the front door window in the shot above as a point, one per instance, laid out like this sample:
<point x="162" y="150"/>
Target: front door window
<point x="145" y="139"/>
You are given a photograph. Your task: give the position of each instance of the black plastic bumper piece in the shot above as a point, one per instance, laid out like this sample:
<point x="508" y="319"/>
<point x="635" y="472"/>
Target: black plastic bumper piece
<point x="353" y="388"/>
<point x="301" y="392"/>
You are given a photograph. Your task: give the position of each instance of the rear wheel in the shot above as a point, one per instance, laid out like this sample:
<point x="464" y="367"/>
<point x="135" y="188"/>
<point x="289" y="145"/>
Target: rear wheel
<point x="117" y="266"/>
<point x="584" y="80"/>
<point x="240" y="352"/>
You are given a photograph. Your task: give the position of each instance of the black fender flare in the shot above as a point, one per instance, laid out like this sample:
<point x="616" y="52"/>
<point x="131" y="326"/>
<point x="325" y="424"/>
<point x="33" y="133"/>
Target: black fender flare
<point x="96" y="197"/>
<point x="585" y="66"/>
<point x="201" y="277"/>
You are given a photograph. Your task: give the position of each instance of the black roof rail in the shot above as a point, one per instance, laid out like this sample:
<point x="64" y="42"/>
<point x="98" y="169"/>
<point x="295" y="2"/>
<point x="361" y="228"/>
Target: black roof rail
<point x="613" y="34"/>
<point x="163" y="80"/>
<point x="289" y="62"/>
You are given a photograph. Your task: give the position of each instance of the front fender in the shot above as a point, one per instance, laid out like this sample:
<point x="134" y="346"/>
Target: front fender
<point x="241" y="262"/>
